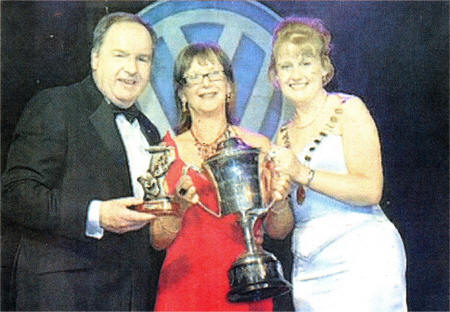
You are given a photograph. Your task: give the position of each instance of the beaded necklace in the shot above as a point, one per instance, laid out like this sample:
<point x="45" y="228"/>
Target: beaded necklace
<point x="327" y="129"/>
<point x="206" y="150"/>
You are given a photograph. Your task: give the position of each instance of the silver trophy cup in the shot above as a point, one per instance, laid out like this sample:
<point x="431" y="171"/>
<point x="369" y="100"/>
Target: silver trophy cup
<point x="235" y="171"/>
<point x="156" y="193"/>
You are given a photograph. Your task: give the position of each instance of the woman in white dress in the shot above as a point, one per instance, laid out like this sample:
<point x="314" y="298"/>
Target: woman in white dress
<point x="347" y="255"/>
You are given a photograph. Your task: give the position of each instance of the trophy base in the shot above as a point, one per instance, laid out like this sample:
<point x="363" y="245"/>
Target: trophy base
<point x="255" y="277"/>
<point x="158" y="207"/>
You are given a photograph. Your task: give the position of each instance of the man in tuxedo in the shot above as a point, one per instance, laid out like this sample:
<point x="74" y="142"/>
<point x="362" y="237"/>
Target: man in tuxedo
<point x="71" y="179"/>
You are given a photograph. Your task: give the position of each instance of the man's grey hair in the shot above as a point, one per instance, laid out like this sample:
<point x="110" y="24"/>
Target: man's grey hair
<point x="108" y="20"/>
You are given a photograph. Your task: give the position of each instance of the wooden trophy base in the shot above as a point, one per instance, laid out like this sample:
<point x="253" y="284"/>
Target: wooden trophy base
<point x="158" y="207"/>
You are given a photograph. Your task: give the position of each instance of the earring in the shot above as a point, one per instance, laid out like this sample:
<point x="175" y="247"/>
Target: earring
<point x="228" y="98"/>
<point x="184" y="107"/>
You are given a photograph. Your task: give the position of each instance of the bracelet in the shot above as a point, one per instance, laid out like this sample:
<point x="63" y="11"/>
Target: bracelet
<point x="311" y="175"/>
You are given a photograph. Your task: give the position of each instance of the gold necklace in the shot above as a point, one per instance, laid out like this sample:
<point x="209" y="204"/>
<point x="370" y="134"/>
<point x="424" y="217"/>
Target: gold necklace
<point x="206" y="150"/>
<point x="317" y="113"/>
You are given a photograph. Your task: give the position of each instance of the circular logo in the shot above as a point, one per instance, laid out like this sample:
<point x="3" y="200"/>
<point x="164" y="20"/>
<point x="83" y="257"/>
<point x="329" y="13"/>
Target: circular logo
<point x="243" y="30"/>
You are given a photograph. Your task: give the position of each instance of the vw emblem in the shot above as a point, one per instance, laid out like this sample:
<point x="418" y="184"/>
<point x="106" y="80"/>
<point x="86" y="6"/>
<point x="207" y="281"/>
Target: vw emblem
<point x="244" y="31"/>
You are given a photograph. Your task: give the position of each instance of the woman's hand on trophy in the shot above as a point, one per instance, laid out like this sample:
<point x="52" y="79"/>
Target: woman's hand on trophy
<point x="285" y="162"/>
<point x="279" y="220"/>
<point x="277" y="184"/>
<point x="185" y="193"/>
<point x="281" y="186"/>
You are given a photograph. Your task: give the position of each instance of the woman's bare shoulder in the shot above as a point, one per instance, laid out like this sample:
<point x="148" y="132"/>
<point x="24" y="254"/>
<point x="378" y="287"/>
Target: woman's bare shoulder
<point x="349" y="102"/>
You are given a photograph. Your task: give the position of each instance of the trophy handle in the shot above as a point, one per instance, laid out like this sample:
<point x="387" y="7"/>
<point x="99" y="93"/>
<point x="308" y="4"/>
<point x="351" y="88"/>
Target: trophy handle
<point x="249" y="239"/>
<point x="206" y="208"/>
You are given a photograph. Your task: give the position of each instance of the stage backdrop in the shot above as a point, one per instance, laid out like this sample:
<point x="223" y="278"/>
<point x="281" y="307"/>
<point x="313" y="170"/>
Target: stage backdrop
<point x="392" y="54"/>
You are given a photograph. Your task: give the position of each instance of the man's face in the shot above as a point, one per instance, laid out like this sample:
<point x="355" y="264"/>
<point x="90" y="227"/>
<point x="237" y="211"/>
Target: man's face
<point x="122" y="64"/>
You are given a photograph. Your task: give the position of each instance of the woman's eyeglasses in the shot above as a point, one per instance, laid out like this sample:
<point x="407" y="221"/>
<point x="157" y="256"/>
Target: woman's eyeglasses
<point x="195" y="79"/>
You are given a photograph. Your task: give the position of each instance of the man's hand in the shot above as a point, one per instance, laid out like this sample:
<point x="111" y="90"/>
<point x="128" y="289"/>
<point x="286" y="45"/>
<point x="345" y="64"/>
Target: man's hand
<point x="115" y="216"/>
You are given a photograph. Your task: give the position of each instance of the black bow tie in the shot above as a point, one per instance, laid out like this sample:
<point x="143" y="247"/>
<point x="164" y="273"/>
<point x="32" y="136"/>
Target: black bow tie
<point x="130" y="113"/>
<point x="148" y="129"/>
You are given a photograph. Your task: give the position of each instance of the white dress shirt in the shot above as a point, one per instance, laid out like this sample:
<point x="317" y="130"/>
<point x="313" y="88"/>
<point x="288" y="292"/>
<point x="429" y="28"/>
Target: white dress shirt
<point x="136" y="146"/>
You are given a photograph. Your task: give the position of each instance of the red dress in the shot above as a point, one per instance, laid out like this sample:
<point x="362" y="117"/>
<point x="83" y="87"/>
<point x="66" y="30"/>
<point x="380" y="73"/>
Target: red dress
<point x="194" y="274"/>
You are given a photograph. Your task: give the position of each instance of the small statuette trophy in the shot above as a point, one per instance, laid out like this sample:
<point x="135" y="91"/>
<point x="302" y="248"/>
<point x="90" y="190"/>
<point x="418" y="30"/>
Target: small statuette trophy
<point x="235" y="171"/>
<point x="156" y="192"/>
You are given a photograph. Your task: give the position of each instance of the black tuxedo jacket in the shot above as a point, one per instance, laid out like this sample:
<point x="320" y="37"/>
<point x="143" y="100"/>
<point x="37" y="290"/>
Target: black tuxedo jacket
<point x="67" y="152"/>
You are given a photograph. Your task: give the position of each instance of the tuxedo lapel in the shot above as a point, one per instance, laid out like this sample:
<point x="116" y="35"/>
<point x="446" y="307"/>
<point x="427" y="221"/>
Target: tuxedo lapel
<point x="149" y="130"/>
<point x="104" y="123"/>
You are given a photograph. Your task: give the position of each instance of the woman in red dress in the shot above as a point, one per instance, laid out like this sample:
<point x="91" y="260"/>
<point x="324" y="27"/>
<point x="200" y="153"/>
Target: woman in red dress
<point x="203" y="243"/>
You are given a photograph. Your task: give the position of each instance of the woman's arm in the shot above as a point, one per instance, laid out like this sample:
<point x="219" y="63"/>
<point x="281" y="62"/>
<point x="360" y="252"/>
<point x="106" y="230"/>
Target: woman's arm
<point x="362" y="184"/>
<point x="165" y="229"/>
<point x="279" y="221"/>
<point x="253" y="139"/>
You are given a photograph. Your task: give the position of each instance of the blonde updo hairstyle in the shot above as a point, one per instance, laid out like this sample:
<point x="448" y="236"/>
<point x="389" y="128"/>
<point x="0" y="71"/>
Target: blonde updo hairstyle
<point x="301" y="30"/>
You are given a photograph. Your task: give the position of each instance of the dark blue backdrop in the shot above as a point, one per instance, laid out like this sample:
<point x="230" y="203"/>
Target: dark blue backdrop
<point x="392" y="54"/>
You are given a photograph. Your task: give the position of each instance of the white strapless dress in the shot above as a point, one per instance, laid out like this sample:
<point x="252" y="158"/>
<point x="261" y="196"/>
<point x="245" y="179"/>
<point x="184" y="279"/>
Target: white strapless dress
<point x="346" y="257"/>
